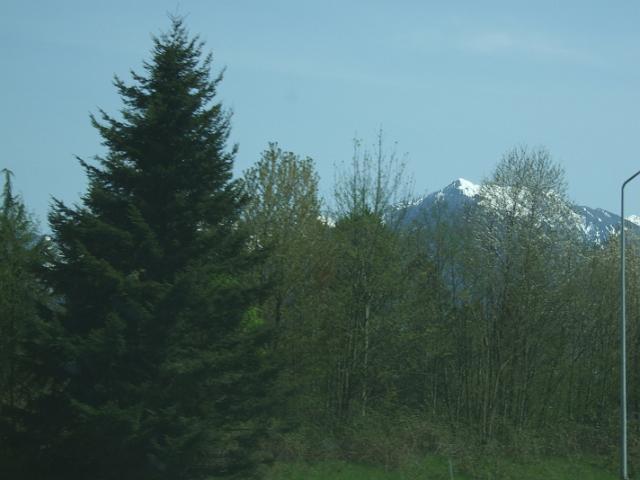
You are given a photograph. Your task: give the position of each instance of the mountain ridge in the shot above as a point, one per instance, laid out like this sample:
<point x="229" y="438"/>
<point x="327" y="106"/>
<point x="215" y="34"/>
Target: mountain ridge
<point x="595" y="224"/>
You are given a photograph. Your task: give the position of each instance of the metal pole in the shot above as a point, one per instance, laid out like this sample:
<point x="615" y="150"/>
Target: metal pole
<point x="624" y="474"/>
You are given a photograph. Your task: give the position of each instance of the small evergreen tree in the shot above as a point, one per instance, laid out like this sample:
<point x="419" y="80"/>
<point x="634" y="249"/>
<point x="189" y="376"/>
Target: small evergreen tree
<point x="161" y="351"/>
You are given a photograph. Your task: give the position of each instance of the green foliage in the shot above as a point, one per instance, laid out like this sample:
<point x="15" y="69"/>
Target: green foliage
<point x="438" y="468"/>
<point x="282" y="217"/>
<point x="494" y="330"/>
<point x="22" y="298"/>
<point x="163" y="377"/>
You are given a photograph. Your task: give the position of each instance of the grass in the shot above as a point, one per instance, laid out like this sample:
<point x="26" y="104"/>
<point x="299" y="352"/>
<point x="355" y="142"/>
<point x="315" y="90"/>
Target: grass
<point x="437" y="468"/>
<point x="335" y="470"/>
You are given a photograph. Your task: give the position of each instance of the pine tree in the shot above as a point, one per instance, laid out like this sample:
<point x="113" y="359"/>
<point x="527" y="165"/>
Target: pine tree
<point x="161" y="349"/>
<point x="22" y="295"/>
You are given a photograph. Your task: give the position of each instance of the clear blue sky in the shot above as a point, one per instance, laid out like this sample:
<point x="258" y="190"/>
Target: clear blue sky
<point x="456" y="84"/>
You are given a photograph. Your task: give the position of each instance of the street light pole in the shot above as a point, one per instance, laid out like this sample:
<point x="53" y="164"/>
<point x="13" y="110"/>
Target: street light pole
<point x="624" y="474"/>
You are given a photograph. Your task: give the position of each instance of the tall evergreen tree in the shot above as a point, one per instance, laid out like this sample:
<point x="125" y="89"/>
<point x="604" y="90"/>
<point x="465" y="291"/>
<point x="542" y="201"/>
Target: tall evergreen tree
<point x="162" y="353"/>
<point x="22" y="294"/>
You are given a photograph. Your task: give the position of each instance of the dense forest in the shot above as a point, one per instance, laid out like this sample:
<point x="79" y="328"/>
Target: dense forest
<point x="179" y="323"/>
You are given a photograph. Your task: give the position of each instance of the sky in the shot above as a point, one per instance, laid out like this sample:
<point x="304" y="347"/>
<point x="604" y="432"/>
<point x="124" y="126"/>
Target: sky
<point x="453" y="85"/>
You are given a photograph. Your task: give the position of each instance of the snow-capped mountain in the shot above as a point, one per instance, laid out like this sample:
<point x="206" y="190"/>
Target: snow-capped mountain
<point x="595" y="224"/>
<point x="456" y="196"/>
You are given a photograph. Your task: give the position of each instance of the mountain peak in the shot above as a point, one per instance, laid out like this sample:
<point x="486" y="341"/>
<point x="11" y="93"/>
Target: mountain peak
<point x="466" y="187"/>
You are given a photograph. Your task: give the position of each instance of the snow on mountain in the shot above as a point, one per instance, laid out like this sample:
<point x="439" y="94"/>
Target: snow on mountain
<point x="635" y="219"/>
<point x="595" y="224"/>
<point x="466" y="187"/>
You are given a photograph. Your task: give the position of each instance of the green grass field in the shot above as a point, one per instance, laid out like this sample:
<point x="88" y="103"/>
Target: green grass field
<point x="438" y="468"/>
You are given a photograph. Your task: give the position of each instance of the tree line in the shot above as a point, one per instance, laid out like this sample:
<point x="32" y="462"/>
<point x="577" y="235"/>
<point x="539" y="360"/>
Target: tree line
<point x="179" y="323"/>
